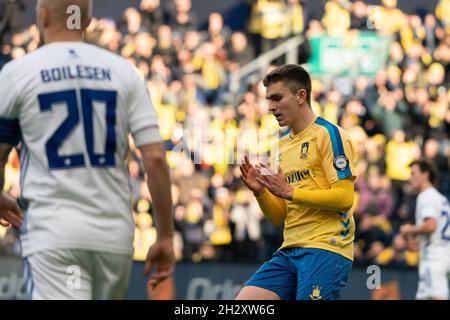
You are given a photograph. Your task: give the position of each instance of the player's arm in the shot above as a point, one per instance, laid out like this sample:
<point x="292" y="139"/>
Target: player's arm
<point x="338" y="198"/>
<point x="9" y="123"/>
<point x="10" y="134"/>
<point x="5" y="149"/>
<point x="10" y="213"/>
<point x="427" y="227"/>
<point x="144" y="128"/>
<point x="161" y="255"/>
<point x="273" y="208"/>
<point x="158" y="181"/>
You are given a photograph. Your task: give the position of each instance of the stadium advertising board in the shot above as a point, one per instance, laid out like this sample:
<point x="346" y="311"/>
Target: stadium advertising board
<point x="363" y="53"/>
<point x="211" y="281"/>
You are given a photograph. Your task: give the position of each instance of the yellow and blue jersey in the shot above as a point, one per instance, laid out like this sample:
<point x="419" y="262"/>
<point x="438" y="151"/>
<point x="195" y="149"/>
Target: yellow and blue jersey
<point x="314" y="159"/>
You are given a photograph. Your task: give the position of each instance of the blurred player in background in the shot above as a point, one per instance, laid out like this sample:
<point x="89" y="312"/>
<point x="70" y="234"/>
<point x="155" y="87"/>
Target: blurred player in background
<point x="433" y="228"/>
<point x="71" y="106"/>
<point x="311" y="193"/>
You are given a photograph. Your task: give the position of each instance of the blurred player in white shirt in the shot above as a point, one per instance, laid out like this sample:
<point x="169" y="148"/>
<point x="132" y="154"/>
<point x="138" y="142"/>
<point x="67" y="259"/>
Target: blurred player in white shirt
<point x="433" y="229"/>
<point x="71" y="106"/>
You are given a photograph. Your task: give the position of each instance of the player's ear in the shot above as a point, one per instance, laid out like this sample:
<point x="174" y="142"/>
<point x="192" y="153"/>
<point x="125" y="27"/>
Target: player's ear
<point x="44" y="17"/>
<point x="301" y="96"/>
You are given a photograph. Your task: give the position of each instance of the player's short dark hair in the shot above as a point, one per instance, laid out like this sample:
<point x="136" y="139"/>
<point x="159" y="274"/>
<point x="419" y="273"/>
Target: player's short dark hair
<point x="294" y="76"/>
<point x="426" y="166"/>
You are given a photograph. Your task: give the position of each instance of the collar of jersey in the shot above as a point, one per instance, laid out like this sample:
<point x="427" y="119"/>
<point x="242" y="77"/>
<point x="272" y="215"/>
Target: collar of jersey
<point x="301" y="133"/>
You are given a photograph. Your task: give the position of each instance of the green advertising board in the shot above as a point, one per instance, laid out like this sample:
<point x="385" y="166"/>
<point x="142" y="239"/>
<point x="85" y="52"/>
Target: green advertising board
<point x="362" y="53"/>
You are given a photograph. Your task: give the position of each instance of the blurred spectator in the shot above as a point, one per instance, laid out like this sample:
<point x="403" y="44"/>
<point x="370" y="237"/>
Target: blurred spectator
<point x="145" y="233"/>
<point x="430" y="26"/>
<point x="435" y="154"/>
<point x="132" y="21"/>
<point x="370" y="239"/>
<point x="186" y="178"/>
<point x="398" y="254"/>
<point x="375" y="195"/>
<point x="357" y="113"/>
<point x="389" y="113"/>
<point x="181" y="17"/>
<point x="191" y="219"/>
<point x="246" y="216"/>
<point x="212" y="71"/>
<point x="358" y="19"/>
<point x="239" y="52"/>
<point x="12" y="14"/>
<point x="192" y="41"/>
<point x="387" y="19"/>
<point x="443" y="12"/>
<point x="217" y="30"/>
<point x="296" y="17"/>
<point x="336" y="19"/>
<point x="399" y="154"/>
<point x="136" y="178"/>
<point x="268" y="19"/>
<point x="296" y="21"/>
<point x="165" y="47"/>
<point x="190" y="93"/>
<point x="315" y="29"/>
<point x="220" y="233"/>
<point x="152" y="15"/>
<point x="144" y="45"/>
<point x="331" y="106"/>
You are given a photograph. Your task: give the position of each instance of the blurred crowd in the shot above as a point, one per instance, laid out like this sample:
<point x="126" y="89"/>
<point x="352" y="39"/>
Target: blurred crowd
<point x="397" y="116"/>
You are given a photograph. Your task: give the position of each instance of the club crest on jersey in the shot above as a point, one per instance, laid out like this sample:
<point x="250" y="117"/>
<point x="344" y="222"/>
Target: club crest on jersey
<point x="340" y="163"/>
<point x="316" y="293"/>
<point x="304" y="150"/>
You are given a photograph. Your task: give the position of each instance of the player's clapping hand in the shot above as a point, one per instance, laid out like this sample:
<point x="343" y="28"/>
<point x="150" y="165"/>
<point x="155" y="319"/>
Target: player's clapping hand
<point x="10" y="213"/>
<point x="160" y="257"/>
<point x="249" y="175"/>
<point x="274" y="181"/>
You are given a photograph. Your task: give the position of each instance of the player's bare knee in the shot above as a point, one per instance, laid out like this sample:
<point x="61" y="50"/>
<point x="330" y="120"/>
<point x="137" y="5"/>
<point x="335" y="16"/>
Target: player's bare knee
<point x="256" y="293"/>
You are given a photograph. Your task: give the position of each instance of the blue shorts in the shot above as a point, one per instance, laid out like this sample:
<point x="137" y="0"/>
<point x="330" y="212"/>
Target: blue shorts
<point x="303" y="274"/>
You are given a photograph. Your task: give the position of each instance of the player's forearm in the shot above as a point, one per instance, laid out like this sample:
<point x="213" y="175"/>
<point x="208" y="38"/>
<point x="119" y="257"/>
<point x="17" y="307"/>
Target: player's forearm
<point x="159" y="186"/>
<point x="158" y="181"/>
<point x="274" y="208"/>
<point x="338" y="198"/>
<point x="2" y="177"/>
<point x="427" y="227"/>
<point x="5" y="149"/>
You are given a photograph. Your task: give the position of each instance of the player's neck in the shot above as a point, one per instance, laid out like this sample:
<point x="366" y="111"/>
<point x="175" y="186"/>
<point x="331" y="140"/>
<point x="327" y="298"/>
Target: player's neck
<point x="426" y="186"/>
<point x="64" y="36"/>
<point x="304" y="118"/>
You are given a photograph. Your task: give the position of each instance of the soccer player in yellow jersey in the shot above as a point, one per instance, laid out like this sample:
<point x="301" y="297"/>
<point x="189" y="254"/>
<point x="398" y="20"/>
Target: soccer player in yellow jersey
<point x="311" y="193"/>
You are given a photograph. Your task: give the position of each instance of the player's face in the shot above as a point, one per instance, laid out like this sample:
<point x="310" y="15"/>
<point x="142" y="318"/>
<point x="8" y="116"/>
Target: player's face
<point x="282" y="103"/>
<point x="417" y="178"/>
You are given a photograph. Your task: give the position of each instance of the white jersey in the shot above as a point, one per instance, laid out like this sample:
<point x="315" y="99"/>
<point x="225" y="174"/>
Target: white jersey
<point x="72" y="105"/>
<point x="432" y="204"/>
